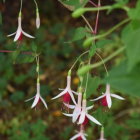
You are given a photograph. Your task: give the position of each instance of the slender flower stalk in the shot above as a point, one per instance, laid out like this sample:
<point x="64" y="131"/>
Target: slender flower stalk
<point x="37" y="98"/>
<point x="19" y="33"/>
<point x="106" y="97"/>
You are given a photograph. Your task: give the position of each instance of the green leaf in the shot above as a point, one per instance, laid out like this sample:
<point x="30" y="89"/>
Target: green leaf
<point x="133" y="13"/>
<point x="132" y="43"/>
<point x="79" y="34"/>
<point x="121" y="80"/>
<point x="93" y="83"/>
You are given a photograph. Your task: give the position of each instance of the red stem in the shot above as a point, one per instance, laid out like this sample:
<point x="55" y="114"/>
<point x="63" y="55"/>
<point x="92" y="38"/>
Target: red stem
<point x="97" y="18"/>
<point x="7" y="51"/>
<point x="93" y="3"/>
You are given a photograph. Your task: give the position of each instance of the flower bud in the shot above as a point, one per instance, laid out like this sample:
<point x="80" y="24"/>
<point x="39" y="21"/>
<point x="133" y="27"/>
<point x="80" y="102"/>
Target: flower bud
<point x="78" y="12"/>
<point x="37" y="19"/>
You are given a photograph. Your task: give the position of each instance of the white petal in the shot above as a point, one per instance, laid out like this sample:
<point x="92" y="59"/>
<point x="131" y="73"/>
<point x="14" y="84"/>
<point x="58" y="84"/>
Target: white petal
<point x="18" y="33"/>
<point x="76" y="114"/>
<point x="69" y="106"/>
<point x="29" y="99"/>
<point x="71" y="90"/>
<point x="68" y="115"/>
<point x="72" y="96"/>
<point x="60" y="94"/>
<point x="117" y="96"/>
<point x="11" y="34"/>
<point x="27" y="35"/>
<point x="44" y="102"/>
<point x="82" y="117"/>
<point x="109" y="101"/>
<point x="93" y="119"/>
<point x="90" y="107"/>
<point x="100" y="97"/>
<point x="83" y="137"/>
<point x="75" y="92"/>
<point x="35" y="101"/>
<point x="75" y="136"/>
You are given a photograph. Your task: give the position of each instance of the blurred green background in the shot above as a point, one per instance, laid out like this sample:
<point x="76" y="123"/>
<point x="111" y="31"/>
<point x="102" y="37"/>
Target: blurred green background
<point x="18" y="75"/>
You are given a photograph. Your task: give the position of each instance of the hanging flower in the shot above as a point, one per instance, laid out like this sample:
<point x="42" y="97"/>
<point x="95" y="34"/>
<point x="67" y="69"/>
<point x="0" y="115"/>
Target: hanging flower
<point x="67" y="93"/>
<point x="106" y="97"/>
<point x="37" y="98"/>
<point x="83" y="116"/>
<point x="77" y="108"/>
<point x="80" y="135"/>
<point x="102" y="134"/>
<point x="37" y="19"/>
<point x="18" y="34"/>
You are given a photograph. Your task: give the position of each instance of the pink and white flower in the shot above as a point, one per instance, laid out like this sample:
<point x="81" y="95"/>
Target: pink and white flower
<point x="80" y="135"/>
<point x="77" y="108"/>
<point x="37" y="98"/>
<point x="106" y="97"/>
<point x="67" y="93"/>
<point x="83" y="115"/>
<point x="18" y="34"/>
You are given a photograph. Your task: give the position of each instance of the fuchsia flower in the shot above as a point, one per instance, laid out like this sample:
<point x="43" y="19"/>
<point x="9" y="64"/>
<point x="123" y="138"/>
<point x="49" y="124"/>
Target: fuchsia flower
<point x="67" y="93"/>
<point x="80" y="135"/>
<point x="77" y="109"/>
<point x="18" y="34"/>
<point x="106" y="97"/>
<point x="83" y="115"/>
<point x="38" y="98"/>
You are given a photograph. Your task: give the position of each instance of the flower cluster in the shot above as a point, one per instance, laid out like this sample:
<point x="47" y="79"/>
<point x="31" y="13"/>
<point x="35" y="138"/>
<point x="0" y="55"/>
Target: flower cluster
<point x="80" y="112"/>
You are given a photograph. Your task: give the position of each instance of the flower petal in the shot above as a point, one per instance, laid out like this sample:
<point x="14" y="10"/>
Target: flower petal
<point x="83" y="137"/>
<point x="43" y="101"/>
<point x="100" y="97"/>
<point x="27" y="35"/>
<point x="69" y="106"/>
<point x="117" y="96"/>
<point x="90" y="107"/>
<point x="75" y="136"/>
<point x="35" y="101"/>
<point x="109" y="101"/>
<point x="72" y="96"/>
<point x="11" y="34"/>
<point x="29" y="99"/>
<point x="18" y="33"/>
<point x="60" y="94"/>
<point x="82" y="117"/>
<point x="76" y="114"/>
<point x="68" y="115"/>
<point x="93" y="119"/>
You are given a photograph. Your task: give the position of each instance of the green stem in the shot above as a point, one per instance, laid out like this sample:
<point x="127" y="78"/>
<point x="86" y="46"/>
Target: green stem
<point x="89" y="40"/>
<point x="108" y="58"/>
<point x="78" y="60"/>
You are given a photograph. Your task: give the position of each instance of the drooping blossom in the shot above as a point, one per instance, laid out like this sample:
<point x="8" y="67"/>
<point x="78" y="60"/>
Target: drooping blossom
<point x="80" y="135"/>
<point x="19" y="33"/>
<point x="67" y="93"/>
<point x="37" y="98"/>
<point x="83" y="116"/>
<point x="106" y="97"/>
<point x="102" y="134"/>
<point x="77" y="108"/>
